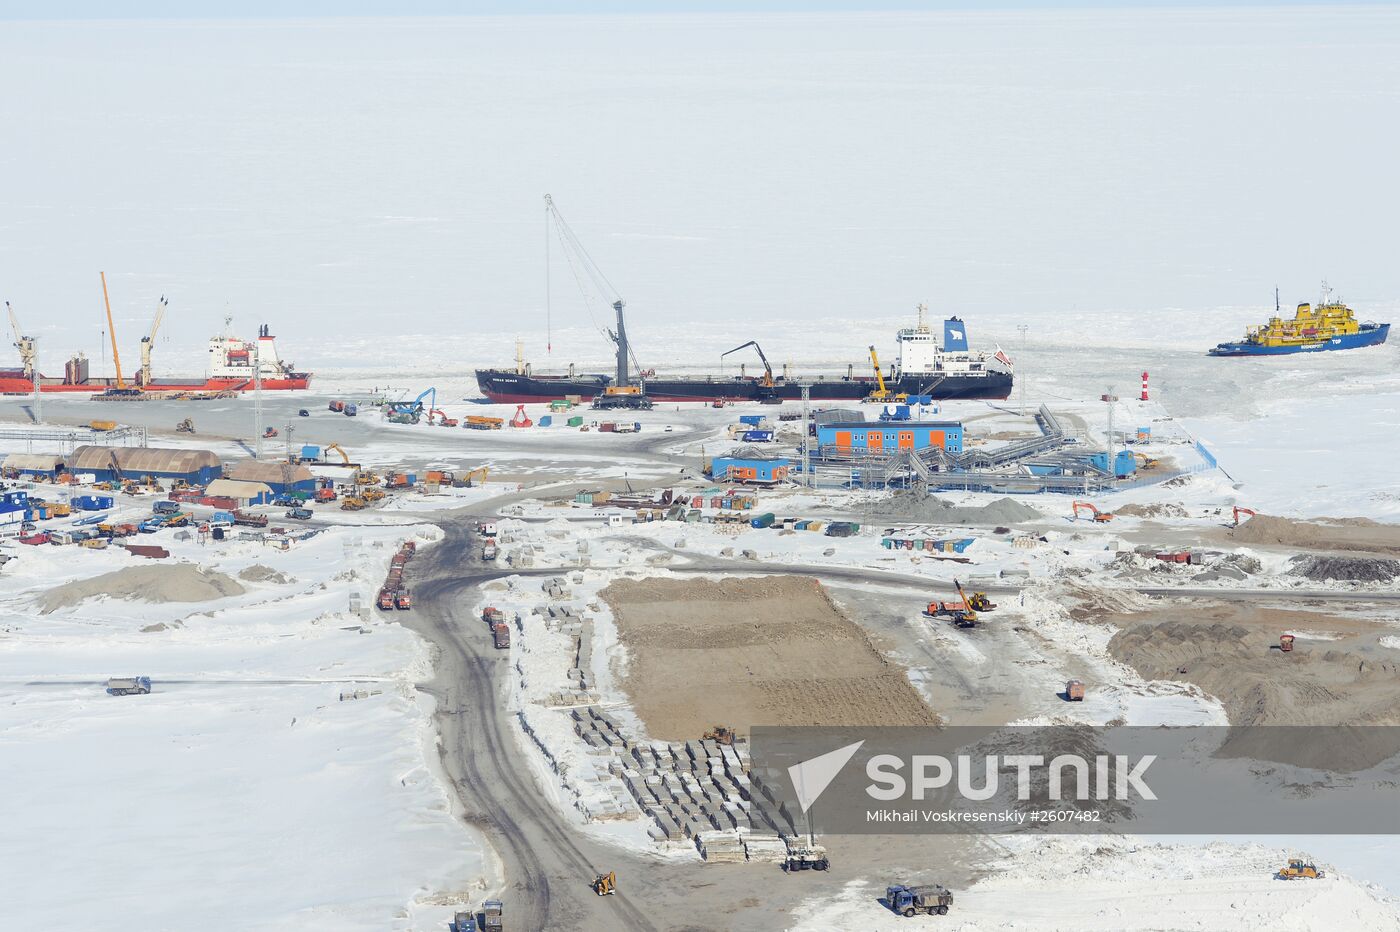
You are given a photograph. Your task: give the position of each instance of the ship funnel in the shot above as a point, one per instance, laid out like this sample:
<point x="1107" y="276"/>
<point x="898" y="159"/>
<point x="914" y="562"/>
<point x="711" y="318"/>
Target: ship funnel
<point x="954" y="336"/>
<point x="1305" y="308"/>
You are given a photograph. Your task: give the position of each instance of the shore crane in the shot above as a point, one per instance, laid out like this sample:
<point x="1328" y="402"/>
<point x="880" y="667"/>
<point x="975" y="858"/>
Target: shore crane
<point x="112" y="331"/>
<point x="767" y="380"/>
<point x="882" y="392"/>
<point x="23" y="343"/>
<point x="148" y="340"/>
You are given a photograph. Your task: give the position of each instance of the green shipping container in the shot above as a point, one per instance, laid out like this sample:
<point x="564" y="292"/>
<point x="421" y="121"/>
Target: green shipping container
<point x="576" y="421"/>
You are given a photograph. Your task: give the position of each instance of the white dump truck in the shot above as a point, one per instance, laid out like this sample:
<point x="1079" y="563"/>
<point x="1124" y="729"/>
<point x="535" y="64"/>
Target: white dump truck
<point x="128" y="685"/>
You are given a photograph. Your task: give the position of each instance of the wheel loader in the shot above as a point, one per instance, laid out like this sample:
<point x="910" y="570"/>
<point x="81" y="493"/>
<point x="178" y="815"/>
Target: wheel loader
<point x="1297" y="868"/>
<point x="605" y="884"/>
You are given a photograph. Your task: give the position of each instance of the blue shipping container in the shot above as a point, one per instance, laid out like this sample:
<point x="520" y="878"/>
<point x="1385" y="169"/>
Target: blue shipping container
<point x="757" y="436"/>
<point x="752" y="420"/>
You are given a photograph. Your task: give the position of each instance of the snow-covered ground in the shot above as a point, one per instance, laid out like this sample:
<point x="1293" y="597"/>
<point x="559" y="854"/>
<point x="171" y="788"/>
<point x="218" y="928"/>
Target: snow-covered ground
<point x="243" y="785"/>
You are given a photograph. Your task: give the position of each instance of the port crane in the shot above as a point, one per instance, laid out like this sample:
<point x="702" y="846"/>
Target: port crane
<point x="149" y="339"/>
<point x="578" y="258"/>
<point x="415" y="408"/>
<point x="767" y="380"/>
<point x="25" y="344"/>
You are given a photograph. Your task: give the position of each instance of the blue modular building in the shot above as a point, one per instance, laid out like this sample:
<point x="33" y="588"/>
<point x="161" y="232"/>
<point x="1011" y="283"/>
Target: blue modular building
<point x="892" y="435"/>
<point x="748" y="470"/>
<point x="13" y="508"/>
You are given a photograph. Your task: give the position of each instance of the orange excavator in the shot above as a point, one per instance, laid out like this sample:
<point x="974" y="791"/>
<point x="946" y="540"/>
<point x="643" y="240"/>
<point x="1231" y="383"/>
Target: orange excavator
<point x="1099" y="517"/>
<point x="1241" y="511"/>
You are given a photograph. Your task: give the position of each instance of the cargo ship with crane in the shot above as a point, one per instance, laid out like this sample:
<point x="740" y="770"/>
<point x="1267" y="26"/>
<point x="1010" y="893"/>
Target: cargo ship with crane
<point x="1329" y="326"/>
<point x="234" y="365"/>
<point x="926" y="366"/>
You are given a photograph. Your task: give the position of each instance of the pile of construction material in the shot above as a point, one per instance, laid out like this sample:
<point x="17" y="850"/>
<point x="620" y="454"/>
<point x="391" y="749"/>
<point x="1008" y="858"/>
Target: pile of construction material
<point x="393" y="594"/>
<point x="696" y="792"/>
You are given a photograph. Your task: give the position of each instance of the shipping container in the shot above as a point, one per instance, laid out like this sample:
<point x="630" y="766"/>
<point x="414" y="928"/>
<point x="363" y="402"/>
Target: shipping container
<point x="764" y="520"/>
<point x="576" y="421"/>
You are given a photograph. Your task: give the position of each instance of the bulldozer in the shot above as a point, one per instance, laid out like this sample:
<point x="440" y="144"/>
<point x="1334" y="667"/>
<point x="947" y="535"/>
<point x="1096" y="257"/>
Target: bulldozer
<point x="352" y="503"/>
<point x="605" y="884"/>
<point x="185" y="427"/>
<point x="372" y="495"/>
<point x="720" y="734"/>
<point x="1297" y="868"/>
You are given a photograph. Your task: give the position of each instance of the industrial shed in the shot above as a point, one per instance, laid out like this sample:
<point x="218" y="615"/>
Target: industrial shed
<point x="197" y="467"/>
<point x="280" y="477"/>
<point x="32" y="464"/>
<point x="241" y="491"/>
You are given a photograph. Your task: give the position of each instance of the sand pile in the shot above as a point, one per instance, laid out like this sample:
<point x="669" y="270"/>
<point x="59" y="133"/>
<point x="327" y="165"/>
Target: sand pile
<point x="1323" y="534"/>
<point x="1231" y="652"/>
<point x="1347" y="569"/>
<point x="259" y="573"/>
<point x="163" y="582"/>
<point x="738" y="652"/>
<point x="1154" y="510"/>
<point x="920" y="507"/>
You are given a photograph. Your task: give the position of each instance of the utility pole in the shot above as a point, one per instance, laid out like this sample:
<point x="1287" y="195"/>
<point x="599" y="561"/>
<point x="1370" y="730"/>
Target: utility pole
<point x="257" y="401"/>
<point x="288" y="429"/>
<point x="1023" y="328"/>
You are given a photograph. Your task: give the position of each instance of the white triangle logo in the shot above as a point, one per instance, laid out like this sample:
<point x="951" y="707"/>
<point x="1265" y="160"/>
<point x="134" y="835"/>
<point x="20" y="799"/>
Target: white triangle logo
<point x="811" y="777"/>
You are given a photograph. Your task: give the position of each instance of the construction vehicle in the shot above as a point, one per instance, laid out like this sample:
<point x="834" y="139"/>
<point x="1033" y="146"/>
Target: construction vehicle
<point x="1237" y="511"/>
<point x="1074" y="691"/>
<point x="413" y="410"/>
<point x="720" y="734"/>
<point x="605" y="884"/>
<point x="978" y="601"/>
<point x="1099" y="517"/>
<point x="521" y="419"/>
<point x="806" y="857"/>
<point x="300" y="514"/>
<point x="104" y="425"/>
<point x="247" y="519"/>
<point x="352" y="503"/>
<point x="491" y="916"/>
<point x="471" y="477"/>
<point x="337" y="406"/>
<point x="403" y="601"/>
<point x="930" y="900"/>
<point x="1298" y="869"/>
<point x="269" y="433"/>
<point x="488" y="550"/>
<point x="479" y="422"/>
<point x="1285" y="643"/>
<point x="882" y="393"/>
<point x="372" y="495"/>
<point x="622" y="396"/>
<point x="128" y="685"/>
<point x="144" y="376"/>
<point x="344" y="457"/>
<point x="385" y="602"/>
<point x="324" y="495"/>
<point x="185" y="427"/>
<point x="962" y="613"/>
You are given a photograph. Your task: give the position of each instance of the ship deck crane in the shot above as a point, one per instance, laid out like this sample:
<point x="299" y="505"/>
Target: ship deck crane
<point x="416" y="406"/>
<point x="148" y="340"/>
<point x="767" y="380"/>
<point x="23" y="343"/>
<point x="577" y="258"/>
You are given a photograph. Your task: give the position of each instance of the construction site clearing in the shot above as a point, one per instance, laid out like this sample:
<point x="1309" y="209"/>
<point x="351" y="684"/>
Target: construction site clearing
<point x="640" y="609"/>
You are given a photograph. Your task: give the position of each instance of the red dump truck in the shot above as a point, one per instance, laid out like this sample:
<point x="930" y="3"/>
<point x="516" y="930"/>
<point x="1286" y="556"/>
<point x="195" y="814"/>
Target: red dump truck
<point x="501" y="633"/>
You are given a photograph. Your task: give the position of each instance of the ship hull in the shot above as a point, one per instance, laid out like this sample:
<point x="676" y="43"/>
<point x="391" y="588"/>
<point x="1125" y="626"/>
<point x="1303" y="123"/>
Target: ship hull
<point x="1373" y="336"/>
<point x="13" y="382"/>
<point x="505" y="387"/>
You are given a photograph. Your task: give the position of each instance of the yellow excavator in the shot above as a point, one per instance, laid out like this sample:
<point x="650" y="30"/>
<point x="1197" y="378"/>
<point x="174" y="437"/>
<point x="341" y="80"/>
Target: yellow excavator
<point x="478" y="476"/>
<point x="605" y="884"/>
<point x="882" y="393"/>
